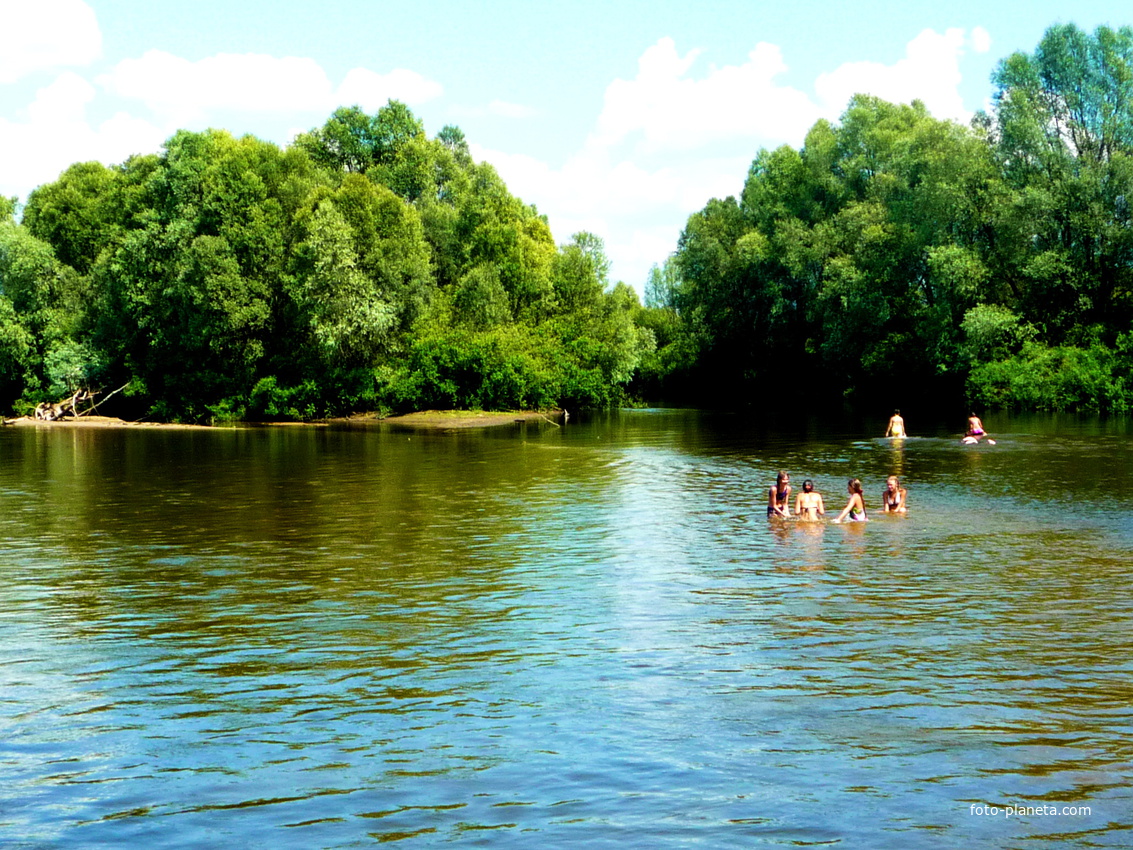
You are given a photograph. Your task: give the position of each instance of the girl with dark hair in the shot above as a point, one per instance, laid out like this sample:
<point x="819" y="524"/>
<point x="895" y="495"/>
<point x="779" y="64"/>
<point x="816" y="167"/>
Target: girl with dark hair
<point x="809" y="503"/>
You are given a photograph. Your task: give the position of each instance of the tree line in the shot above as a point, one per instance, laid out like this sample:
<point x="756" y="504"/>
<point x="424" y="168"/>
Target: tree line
<point x="897" y="255"/>
<point x="363" y="267"/>
<point x="367" y="266"/>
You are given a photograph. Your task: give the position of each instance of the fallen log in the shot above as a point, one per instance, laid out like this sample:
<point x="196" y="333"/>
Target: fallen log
<point x="50" y="412"/>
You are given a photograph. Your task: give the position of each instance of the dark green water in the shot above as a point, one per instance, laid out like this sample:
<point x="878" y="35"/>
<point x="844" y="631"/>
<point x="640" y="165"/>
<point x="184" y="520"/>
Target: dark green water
<point x="541" y="637"/>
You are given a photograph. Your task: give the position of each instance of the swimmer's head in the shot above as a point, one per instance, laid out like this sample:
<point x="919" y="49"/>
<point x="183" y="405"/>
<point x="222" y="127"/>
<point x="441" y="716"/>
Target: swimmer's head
<point x="782" y="477"/>
<point x="892" y="479"/>
<point x="808" y="485"/>
<point x="855" y="485"/>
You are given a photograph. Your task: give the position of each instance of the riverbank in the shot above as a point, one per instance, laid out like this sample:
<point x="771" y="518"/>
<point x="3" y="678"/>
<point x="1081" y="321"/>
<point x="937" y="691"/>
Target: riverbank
<point x="431" y="420"/>
<point x="448" y="420"/>
<point x="93" y="422"/>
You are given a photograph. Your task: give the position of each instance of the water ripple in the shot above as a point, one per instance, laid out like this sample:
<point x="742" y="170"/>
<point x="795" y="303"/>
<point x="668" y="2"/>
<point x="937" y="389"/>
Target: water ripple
<point x="575" y="637"/>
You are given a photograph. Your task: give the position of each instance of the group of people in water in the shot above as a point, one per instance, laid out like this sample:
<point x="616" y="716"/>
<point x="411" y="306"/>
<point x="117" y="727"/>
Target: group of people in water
<point x="894" y="500"/>
<point x="809" y="504"/>
<point x="975" y="432"/>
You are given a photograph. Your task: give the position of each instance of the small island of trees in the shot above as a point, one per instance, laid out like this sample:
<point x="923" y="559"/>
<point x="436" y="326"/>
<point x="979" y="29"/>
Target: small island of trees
<point x="369" y="267"/>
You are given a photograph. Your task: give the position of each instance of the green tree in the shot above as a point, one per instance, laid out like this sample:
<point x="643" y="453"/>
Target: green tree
<point x="353" y="141"/>
<point x="580" y="273"/>
<point x="1063" y="128"/>
<point x="75" y="214"/>
<point x="349" y="320"/>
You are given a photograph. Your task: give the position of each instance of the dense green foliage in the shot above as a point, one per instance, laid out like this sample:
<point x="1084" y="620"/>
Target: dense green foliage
<point x="364" y="267"/>
<point x="897" y="255"/>
<point x="368" y="266"/>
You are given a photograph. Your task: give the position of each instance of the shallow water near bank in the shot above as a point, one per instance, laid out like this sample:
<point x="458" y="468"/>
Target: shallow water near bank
<point x="578" y="636"/>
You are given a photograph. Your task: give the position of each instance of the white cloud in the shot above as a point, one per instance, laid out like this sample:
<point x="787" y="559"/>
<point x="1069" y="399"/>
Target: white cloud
<point x="184" y="93"/>
<point x="673" y="111"/>
<point x="981" y="40"/>
<point x="58" y="133"/>
<point x="705" y="128"/>
<point x="46" y="34"/>
<point x="638" y="211"/>
<point x="371" y="91"/>
<point x="929" y="72"/>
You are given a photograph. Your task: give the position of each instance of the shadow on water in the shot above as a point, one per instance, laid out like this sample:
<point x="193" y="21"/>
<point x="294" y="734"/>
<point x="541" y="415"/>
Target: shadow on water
<point x="580" y="636"/>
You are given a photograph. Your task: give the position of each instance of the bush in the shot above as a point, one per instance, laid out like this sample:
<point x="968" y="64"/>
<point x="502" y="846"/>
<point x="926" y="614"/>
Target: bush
<point x="1059" y="378"/>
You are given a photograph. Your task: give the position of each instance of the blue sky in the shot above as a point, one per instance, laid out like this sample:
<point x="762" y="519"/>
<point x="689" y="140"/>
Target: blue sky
<point x="620" y="118"/>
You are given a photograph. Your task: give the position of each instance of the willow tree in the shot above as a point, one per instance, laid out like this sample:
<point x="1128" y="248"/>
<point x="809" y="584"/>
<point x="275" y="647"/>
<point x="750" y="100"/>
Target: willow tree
<point x="1063" y="128"/>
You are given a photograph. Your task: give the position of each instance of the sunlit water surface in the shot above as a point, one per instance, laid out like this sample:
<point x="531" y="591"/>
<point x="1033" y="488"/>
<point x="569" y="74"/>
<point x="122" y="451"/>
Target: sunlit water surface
<point x="548" y="637"/>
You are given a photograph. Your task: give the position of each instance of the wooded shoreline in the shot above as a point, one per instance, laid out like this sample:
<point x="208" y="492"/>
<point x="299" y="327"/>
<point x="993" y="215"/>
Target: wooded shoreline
<point x="894" y="258"/>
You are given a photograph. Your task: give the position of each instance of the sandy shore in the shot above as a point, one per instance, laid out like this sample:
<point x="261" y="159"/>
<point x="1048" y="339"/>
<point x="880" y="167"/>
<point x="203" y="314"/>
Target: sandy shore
<point x="91" y="422"/>
<point x="448" y="420"/>
<point x="433" y="420"/>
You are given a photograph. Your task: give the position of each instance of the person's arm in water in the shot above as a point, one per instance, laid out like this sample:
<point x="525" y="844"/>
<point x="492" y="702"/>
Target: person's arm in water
<point x="855" y="501"/>
<point x="773" y="508"/>
<point x="893" y="503"/>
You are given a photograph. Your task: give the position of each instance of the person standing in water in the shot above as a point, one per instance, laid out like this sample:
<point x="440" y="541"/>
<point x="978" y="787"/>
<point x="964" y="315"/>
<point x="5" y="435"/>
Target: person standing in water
<point x="893" y="499"/>
<point x="855" y="507"/>
<point x="896" y="426"/>
<point x="809" y="503"/>
<point x="778" y="497"/>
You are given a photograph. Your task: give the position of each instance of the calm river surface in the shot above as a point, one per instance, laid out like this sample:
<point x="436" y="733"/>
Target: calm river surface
<point x="587" y="636"/>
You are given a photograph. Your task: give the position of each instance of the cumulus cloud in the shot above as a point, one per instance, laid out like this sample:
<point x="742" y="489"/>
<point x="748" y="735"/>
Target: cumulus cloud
<point x="177" y="88"/>
<point x="46" y="34"/>
<point x="671" y="114"/>
<point x="930" y="72"/>
<point x="371" y="91"/>
<point x="981" y="40"/>
<point x="670" y="110"/>
<point x="58" y="133"/>
<point x="184" y="92"/>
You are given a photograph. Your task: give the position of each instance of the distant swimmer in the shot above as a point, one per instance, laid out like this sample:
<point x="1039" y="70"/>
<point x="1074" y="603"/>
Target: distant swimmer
<point x="855" y="508"/>
<point x="778" y="497"/>
<point x="975" y="431"/>
<point x="896" y="425"/>
<point x="809" y="503"/>
<point x="894" y="499"/>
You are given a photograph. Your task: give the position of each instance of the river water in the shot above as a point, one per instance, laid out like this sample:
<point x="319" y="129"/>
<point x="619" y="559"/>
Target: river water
<point x="586" y="636"/>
